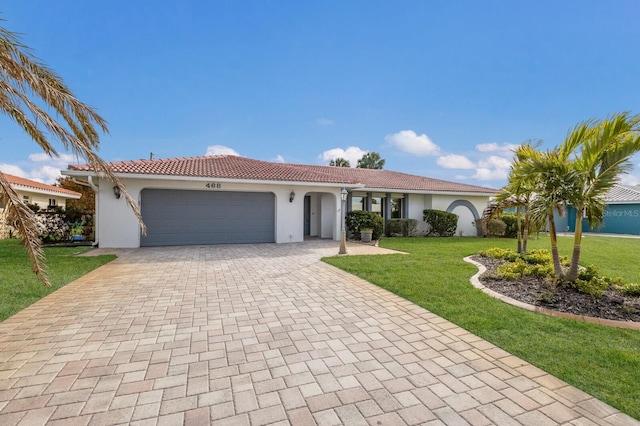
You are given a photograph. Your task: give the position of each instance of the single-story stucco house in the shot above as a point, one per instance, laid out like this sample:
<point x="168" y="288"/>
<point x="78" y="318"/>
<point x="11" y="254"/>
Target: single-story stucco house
<point x="40" y="194"/>
<point x="621" y="216"/>
<point x="231" y="199"/>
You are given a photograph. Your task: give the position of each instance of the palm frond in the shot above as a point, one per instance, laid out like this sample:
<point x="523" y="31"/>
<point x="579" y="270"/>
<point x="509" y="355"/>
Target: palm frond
<point x="19" y="215"/>
<point x="25" y="84"/>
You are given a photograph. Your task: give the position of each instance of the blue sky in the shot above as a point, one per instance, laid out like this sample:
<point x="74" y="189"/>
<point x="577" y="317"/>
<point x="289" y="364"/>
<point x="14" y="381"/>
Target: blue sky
<point x="439" y="88"/>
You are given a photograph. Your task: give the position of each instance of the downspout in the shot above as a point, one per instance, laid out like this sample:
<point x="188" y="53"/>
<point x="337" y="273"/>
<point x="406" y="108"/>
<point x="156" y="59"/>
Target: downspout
<point x="95" y="219"/>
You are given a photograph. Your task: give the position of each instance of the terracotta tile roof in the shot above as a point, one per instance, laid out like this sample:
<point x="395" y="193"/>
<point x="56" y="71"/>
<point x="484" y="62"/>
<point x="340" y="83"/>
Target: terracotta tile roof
<point x="233" y="167"/>
<point x="623" y="194"/>
<point x="15" y="180"/>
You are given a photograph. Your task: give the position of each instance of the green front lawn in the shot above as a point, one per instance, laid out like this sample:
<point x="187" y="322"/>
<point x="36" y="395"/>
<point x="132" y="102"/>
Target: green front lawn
<point x="19" y="287"/>
<point x="601" y="361"/>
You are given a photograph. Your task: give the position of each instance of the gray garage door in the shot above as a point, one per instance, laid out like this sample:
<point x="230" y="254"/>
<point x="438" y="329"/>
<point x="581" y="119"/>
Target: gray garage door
<point x="177" y="217"/>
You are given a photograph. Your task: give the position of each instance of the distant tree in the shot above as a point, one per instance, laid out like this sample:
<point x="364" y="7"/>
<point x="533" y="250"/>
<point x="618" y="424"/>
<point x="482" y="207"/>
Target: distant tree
<point x="340" y="162"/>
<point x="85" y="205"/>
<point x="371" y="160"/>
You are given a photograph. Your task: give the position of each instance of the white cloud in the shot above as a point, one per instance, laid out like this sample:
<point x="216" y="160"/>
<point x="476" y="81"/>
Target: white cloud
<point x="40" y="167"/>
<point x="279" y="159"/>
<point x="453" y="161"/>
<point x="63" y="159"/>
<point x="13" y="170"/>
<point x="409" y="141"/>
<point x="625" y="179"/>
<point x="496" y="162"/>
<point x="491" y="168"/>
<point x="324" y="122"/>
<point x="221" y="150"/>
<point x="352" y="153"/>
<point x="483" y="173"/>
<point x="505" y="148"/>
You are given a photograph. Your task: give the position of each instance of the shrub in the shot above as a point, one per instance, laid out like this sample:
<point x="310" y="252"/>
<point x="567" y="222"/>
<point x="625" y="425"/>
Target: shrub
<point x="594" y="287"/>
<point x="52" y="226"/>
<point x="538" y="257"/>
<point x="630" y="289"/>
<point x="511" y="222"/>
<point x="512" y="270"/>
<point x="496" y="228"/>
<point x="360" y="219"/>
<point x="440" y="223"/>
<point x="499" y="253"/>
<point x="402" y="227"/>
<point x="539" y="270"/>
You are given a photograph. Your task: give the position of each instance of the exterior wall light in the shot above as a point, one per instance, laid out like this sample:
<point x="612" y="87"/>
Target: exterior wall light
<point x="292" y="196"/>
<point x="116" y="192"/>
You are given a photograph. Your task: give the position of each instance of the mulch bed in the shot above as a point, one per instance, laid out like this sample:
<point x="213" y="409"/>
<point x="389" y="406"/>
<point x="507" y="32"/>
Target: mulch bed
<point x="535" y="291"/>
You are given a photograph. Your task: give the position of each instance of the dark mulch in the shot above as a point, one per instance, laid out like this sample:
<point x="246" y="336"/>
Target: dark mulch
<point x="537" y="291"/>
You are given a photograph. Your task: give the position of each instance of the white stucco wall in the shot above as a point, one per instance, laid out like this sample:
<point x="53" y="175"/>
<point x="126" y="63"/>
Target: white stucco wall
<point x="42" y="200"/>
<point x="420" y="202"/>
<point x="466" y="218"/>
<point x="117" y="226"/>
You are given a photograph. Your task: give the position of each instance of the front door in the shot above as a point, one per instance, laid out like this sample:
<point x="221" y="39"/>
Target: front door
<point x="307" y="215"/>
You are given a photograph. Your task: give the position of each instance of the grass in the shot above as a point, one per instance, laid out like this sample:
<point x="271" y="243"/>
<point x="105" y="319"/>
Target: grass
<point x="601" y="361"/>
<point x="19" y="287"/>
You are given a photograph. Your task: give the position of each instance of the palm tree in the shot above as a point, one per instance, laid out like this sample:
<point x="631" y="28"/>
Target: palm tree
<point x="516" y="194"/>
<point x="602" y="155"/>
<point x="371" y="160"/>
<point x="340" y="162"/>
<point x="26" y="85"/>
<point x="551" y="178"/>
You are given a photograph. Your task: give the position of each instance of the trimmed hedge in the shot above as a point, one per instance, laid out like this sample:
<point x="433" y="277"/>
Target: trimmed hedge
<point x="440" y="223"/>
<point x="402" y="227"/>
<point x="360" y="219"/>
<point x="496" y="228"/>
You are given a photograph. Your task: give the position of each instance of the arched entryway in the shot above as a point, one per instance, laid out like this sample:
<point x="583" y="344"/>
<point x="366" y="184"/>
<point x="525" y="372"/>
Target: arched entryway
<point x="467" y="217"/>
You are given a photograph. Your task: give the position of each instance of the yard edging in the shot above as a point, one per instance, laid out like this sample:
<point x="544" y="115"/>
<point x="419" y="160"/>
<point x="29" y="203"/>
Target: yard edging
<point x="475" y="281"/>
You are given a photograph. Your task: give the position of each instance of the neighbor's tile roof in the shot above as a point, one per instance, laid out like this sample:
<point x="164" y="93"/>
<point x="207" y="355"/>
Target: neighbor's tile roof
<point x="15" y="180"/>
<point x="623" y="194"/>
<point x="233" y="167"/>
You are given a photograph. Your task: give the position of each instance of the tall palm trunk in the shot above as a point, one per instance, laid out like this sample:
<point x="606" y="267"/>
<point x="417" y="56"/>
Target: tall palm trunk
<point x="525" y="230"/>
<point x="557" y="266"/>
<point x="572" y="275"/>
<point x="518" y="233"/>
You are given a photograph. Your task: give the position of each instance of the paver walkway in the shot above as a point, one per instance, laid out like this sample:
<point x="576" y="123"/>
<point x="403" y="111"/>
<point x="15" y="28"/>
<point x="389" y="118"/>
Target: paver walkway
<point x="255" y="335"/>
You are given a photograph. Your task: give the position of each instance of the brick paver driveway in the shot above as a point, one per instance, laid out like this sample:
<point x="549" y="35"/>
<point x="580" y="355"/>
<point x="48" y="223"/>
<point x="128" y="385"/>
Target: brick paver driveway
<point x="254" y="335"/>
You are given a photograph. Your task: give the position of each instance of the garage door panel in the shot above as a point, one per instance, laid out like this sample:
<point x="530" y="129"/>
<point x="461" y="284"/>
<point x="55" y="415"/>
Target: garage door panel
<point x="180" y="217"/>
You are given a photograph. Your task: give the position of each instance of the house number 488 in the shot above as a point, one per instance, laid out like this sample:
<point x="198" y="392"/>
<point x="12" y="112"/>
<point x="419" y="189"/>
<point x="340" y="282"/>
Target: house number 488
<point x="214" y="185"/>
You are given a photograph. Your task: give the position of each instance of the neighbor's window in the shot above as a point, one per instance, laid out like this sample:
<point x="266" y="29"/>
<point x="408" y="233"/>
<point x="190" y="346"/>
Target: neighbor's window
<point x="25" y="199"/>
<point x="52" y="202"/>
<point x="376" y="205"/>
<point x="357" y="203"/>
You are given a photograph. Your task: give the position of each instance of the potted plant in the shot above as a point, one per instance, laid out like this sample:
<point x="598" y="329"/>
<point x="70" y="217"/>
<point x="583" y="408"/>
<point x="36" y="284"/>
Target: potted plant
<point x="366" y="234"/>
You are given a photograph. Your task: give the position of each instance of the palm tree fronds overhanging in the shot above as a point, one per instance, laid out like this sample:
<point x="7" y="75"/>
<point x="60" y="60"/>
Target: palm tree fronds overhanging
<point x="18" y="214"/>
<point x="25" y="85"/>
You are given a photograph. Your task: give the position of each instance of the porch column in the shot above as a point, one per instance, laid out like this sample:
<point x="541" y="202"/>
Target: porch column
<point x="387" y="213"/>
<point x="367" y="207"/>
<point x="349" y="208"/>
<point x="405" y="207"/>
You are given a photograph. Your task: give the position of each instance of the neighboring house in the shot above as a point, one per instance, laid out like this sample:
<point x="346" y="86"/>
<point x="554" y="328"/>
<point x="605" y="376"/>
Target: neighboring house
<point x="230" y="199"/>
<point x="621" y="216"/>
<point x="41" y="194"/>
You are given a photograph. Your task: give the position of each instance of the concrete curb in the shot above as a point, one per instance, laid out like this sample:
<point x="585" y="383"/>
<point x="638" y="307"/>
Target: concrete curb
<point x="475" y="281"/>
